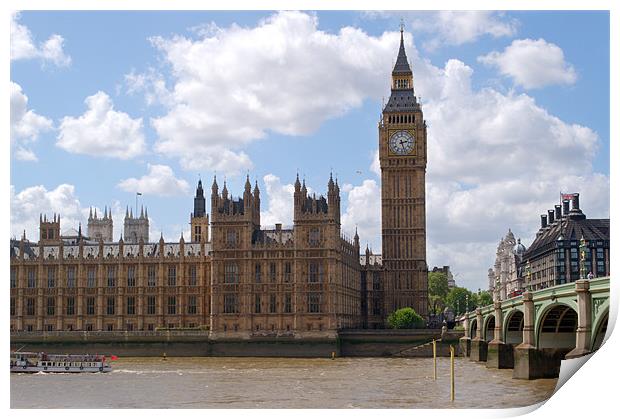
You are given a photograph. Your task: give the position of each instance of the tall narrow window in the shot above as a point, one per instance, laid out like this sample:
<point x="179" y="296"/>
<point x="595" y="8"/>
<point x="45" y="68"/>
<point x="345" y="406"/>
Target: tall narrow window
<point x="314" y="302"/>
<point x="70" y="306"/>
<point x="32" y="282"/>
<point x="287" y="303"/>
<point x="13" y="277"/>
<point x="172" y="276"/>
<point x="131" y="305"/>
<point x="287" y="271"/>
<point x="111" y="276"/>
<point x="12" y="306"/>
<point x="90" y="305"/>
<point x="172" y="304"/>
<point x="51" y="306"/>
<point x="150" y="304"/>
<point x="231" y="303"/>
<point x="257" y="276"/>
<point x="314" y="237"/>
<point x="257" y="304"/>
<point x="272" y="303"/>
<point x="110" y="308"/>
<point x="151" y="272"/>
<point x="272" y="272"/>
<point x="91" y="278"/>
<point x="191" y="305"/>
<point x="192" y="276"/>
<point x="131" y="276"/>
<point x="231" y="273"/>
<point x="71" y="277"/>
<point x="30" y="307"/>
<point x="51" y="276"/>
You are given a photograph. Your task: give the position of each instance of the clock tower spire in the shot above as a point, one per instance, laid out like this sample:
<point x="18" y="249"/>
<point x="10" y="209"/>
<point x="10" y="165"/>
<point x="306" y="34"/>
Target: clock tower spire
<point x="402" y="157"/>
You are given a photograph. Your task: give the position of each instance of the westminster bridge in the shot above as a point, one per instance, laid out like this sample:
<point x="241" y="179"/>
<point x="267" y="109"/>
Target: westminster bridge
<point x="533" y="332"/>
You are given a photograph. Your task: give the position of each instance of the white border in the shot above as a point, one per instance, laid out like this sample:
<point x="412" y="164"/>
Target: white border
<point x="590" y="392"/>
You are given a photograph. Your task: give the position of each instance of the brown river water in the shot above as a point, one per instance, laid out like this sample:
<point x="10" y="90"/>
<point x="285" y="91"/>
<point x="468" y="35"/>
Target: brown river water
<point x="279" y="383"/>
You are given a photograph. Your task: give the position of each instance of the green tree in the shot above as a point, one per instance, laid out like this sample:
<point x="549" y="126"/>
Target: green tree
<point x="405" y="318"/>
<point x="485" y="298"/>
<point x="459" y="297"/>
<point x="437" y="291"/>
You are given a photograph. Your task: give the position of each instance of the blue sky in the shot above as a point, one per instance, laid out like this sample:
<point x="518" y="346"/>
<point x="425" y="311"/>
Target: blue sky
<point x="517" y="105"/>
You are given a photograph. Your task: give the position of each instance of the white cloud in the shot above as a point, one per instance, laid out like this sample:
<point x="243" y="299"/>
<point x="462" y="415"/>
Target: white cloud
<point x="24" y="48"/>
<point x="279" y="202"/>
<point x="461" y="27"/>
<point x="532" y="63"/>
<point x="159" y="180"/>
<point x="26" y="125"/>
<point x="375" y="165"/>
<point x="364" y="212"/>
<point x="102" y="131"/>
<point x="496" y="161"/>
<point x="234" y="85"/>
<point x="28" y="204"/>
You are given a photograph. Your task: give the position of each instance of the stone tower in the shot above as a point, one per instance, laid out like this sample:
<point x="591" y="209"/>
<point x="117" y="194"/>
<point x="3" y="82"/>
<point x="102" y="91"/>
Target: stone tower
<point x="234" y="223"/>
<point x="402" y="156"/>
<point x="100" y="228"/>
<point x="136" y="228"/>
<point x="49" y="231"/>
<point x="199" y="219"/>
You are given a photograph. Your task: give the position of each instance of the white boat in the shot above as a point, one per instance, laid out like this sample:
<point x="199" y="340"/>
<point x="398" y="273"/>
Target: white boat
<point x="42" y="362"/>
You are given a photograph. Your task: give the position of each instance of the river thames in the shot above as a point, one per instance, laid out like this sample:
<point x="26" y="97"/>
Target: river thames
<point x="279" y="383"/>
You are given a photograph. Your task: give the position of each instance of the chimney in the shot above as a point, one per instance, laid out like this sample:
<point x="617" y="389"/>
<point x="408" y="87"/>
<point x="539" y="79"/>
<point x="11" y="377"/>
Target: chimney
<point x="543" y="221"/>
<point x="576" y="203"/>
<point x="278" y="226"/>
<point x="558" y="212"/>
<point x="550" y="216"/>
<point x="566" y="208"/>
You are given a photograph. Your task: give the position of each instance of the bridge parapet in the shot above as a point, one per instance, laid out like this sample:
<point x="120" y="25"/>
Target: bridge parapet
<point x="549" y="318"/>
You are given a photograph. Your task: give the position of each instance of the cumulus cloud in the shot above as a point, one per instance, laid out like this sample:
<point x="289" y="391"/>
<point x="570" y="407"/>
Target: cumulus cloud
<point x="231" y="86"/>
<point x="364" y="213"/>
<point x="160" y="180"/>
<point x="461" y="26"/>
<point x="26" y="125"/>
<point x="496" y="161"/>
<point x="102" y="131"/>
<point x="279" y="201"/>
<point x="28" y="204"/>
<point x="23" y="45"/>
<point x="532" y="63"/>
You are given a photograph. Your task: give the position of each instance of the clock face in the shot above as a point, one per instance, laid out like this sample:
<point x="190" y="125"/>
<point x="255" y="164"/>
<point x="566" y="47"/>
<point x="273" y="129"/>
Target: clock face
<point x="401" y="142"/>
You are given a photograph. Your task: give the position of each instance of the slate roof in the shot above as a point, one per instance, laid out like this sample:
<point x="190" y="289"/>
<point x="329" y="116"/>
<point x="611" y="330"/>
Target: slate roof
<point x="568" y="228"/>
<point x="402" y="64"/>
<point x="402" y="101"/>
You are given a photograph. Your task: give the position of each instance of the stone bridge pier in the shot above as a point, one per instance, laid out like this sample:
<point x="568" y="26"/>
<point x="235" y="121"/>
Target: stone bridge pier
<point x="478" y="344"/>
<point x="534" y="332"/>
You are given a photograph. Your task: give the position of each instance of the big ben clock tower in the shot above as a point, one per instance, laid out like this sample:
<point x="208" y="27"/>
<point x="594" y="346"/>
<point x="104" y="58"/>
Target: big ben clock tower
<point x="402" y="156"/>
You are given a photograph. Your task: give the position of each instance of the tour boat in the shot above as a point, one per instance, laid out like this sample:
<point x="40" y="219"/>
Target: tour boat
<point x="42" y="362"/>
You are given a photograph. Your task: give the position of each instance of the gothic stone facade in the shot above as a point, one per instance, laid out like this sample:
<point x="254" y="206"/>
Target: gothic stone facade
<point x="245" y="282"/>
<point x="234" y="277"/>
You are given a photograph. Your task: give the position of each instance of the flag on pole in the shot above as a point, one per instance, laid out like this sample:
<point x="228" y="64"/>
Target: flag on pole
<point x="139" y="193"/>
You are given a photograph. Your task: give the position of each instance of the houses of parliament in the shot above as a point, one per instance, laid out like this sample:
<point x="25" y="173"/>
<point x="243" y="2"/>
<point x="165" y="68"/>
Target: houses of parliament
<point x="233" y="277"/>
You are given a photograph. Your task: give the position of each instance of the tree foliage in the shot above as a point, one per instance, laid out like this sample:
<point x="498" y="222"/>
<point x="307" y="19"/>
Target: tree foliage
<point x="437" y="291"/>
<point x="458" y="297"/>
<point x="485" y="298"/>
<point x="405" y="318"/>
